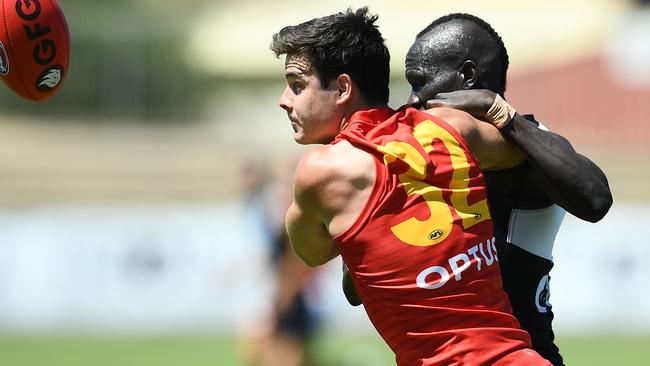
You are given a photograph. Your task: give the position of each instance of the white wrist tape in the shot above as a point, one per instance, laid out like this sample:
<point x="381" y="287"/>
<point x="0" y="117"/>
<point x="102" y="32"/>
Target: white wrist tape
<point x="500" y="113"/>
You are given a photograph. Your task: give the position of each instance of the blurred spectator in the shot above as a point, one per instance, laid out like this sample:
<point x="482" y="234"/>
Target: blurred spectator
<point x="281" y="337"/>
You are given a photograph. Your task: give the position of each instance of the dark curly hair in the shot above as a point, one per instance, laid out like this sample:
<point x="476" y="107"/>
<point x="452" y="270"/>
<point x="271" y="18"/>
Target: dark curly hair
<point x="342" y="43"/>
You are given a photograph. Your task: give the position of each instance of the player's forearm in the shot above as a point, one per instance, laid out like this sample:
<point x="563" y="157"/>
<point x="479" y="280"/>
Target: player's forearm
<point x="572" y="180"/>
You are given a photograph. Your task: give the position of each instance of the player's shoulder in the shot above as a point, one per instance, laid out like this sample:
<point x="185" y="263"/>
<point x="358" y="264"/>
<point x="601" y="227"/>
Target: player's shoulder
<point x="314" y="169"/>
<point x="325" y="165"/>
<point x="446" y="112"/>
<point x="461" y="121"/>
<point x="485" y="141"/>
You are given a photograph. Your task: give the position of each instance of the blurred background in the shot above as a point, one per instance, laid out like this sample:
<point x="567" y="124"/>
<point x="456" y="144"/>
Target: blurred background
<point x="141" y="207"/>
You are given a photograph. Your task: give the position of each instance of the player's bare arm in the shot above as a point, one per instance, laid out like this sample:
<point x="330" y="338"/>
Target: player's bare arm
<point x="332" y="184"/>
<point x="306" y="217"/>
<point x="492" y="150"/>
<point x="572" y="180"/>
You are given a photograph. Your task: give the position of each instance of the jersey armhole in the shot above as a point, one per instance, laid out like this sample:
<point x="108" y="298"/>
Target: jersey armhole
<point x="365" y="213"/>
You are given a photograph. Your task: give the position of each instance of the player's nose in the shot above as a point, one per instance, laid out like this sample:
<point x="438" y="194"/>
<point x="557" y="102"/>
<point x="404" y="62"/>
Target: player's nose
<point x="286" y="102"/>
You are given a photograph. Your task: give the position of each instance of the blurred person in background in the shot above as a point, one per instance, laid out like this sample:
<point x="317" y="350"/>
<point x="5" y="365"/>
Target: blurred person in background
<point x="399" y="196"/>
<point x="281" y="337"/>
<point x="459" y="52"/>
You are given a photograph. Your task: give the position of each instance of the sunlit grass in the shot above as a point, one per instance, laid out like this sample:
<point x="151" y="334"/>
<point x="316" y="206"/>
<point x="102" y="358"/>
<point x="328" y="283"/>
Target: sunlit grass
<point x="327" y="350"/>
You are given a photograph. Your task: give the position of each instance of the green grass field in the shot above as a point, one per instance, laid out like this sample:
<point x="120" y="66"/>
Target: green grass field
<point x="219" y="351"/>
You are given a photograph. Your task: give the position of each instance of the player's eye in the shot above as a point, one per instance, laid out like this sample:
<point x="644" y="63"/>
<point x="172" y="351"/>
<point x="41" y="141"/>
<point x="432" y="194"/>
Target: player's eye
<point x="296" y="87"/>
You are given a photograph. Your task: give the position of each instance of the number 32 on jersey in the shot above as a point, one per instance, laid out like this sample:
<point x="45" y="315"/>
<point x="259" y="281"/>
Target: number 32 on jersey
<point x="438" y="226"/>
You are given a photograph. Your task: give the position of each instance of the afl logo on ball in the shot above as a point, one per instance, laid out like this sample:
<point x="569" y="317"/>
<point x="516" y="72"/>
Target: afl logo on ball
<point x="4" y="61"/>
<point x="50" y="78"/>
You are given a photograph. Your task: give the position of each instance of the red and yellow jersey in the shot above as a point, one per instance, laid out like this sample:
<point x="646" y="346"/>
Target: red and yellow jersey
<point x="421" y="253"/>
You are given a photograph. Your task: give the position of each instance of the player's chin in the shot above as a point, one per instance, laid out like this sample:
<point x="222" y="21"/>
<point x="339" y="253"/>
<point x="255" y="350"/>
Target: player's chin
<point x="300" y="138"/>
<point x="303" y="139"/>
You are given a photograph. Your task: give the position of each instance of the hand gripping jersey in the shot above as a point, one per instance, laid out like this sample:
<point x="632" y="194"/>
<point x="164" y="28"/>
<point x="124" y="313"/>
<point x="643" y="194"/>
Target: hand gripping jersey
<point x="422" y="253"/>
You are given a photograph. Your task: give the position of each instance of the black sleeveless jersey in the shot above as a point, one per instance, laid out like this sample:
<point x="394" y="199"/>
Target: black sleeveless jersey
<point x="526" y="222"/>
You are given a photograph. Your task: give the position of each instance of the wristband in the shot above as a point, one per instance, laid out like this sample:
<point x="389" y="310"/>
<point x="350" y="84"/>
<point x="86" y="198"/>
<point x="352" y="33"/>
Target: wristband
<point x="500" y="113"/>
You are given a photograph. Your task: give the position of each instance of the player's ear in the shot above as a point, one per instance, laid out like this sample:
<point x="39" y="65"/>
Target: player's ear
<point x="468" y="74"/>
<point x="344" y="87"/>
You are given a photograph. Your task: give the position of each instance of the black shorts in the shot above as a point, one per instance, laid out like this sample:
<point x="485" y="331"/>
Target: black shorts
<point x="298" y="320"/>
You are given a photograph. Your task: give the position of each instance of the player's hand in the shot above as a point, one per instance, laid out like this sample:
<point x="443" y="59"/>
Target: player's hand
<point x="476" y="102"/>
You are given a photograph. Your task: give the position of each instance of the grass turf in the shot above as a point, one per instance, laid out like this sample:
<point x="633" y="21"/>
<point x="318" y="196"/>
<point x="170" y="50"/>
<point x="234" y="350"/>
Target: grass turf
<point x="221" y="351"/>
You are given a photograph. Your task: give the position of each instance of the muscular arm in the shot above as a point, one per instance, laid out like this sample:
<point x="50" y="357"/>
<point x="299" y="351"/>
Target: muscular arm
<point x="332" y="185"/>
<point x="570" y="179"/>
<point x="308" y="237"/>
<point x="306" y="218"/>
<point x="493" y="151"/>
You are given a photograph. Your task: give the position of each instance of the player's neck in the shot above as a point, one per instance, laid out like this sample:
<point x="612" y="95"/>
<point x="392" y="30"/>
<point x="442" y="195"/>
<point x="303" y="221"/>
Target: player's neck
<point x="359" y="104"/>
